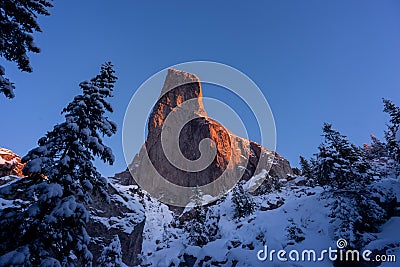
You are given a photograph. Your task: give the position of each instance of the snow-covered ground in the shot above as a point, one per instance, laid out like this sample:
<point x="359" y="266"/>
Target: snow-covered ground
<point x="301" y="209"/>
<point x="295" y="218"/>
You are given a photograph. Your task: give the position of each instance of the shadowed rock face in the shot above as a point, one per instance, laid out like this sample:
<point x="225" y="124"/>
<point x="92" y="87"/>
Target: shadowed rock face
<point x="102" y="228"/>
<point x="191" y="135"/>
<point x="179" y="129"/>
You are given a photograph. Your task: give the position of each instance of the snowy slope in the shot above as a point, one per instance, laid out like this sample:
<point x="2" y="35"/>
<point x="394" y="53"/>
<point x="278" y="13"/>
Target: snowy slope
<point x="294" y="218"/>
<point x="240" y="240"/>
<point x="302" y="209"/>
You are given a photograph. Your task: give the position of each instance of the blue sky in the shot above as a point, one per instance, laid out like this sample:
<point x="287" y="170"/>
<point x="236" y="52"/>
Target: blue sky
<point x="315" y="61"/>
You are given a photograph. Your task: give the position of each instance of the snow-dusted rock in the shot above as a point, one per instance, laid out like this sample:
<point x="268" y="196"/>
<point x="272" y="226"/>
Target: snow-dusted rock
<point x="10" y="163"/>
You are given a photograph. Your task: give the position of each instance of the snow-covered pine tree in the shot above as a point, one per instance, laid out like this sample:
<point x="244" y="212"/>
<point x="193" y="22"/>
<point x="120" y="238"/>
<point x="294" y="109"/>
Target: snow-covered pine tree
<point x="339" y="163"/>
<point x="377" y="155"/>
<point x="242" y="202"/>
<point x="111" y="256"/>
<point x="198" y="234"/>
<point x="17" y="23"/>
<point x="357" y="213"/>
<point x="6" y="86"/>
<point x="345" y="216"/>
<point x="345" y="169"/>
<point x="324" y="165"/>
<point x="197" y="197"/>
<point x="392" y="134"/>
<point x="377" y="149"/>
<point x="306" y="169"/>
<point x="197" y="225"/>
<point x="52" y="228"/>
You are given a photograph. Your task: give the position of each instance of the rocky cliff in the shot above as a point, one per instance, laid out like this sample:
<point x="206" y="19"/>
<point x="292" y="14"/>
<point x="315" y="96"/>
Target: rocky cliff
<point x="181" y="137"/>
<point x="10" y="163"/>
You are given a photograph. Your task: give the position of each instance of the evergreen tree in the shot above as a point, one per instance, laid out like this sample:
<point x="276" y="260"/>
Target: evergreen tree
<point x="197" y="197"/>
<point x="357" y="206"/>
<point x="392" y="134"/>
<point x="377" y="149"/>
<point x="17" y="23"/>
<point x="197" y="226"/>
<point x="340" y="164"/>
<point x="111" y="256"/>
<point x="52" y="228"/>
<point x="377" y="155"/>
<point x="242" y="202"/>
<point x="361" y="211"/>
<point x="198" y="234"/>
<point x="306" y="169"/>
<point x="6" y="86"/>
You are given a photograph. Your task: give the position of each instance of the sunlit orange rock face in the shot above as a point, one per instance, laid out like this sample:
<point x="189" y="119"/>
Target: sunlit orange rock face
<point x="10" y="163"/>
<point x="173" y="97"/>
<point x="180" y="107"/>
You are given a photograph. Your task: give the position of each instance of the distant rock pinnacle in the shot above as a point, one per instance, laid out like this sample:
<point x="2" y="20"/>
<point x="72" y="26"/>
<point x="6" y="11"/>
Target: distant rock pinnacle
<point x="180" y="107"/>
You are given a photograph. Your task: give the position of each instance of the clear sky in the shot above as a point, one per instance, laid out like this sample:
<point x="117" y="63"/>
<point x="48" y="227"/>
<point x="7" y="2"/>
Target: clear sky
<point x="315" y="61"/>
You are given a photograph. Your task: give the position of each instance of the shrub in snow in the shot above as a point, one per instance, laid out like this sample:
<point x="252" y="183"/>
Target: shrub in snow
<point x="242" y="202"/>
<point x="18" y="22"/>
<point x="111" y="255"/>
<point x="52" y="228"/>
<point x="270" y="184"/>
<point x="294" y="232"/>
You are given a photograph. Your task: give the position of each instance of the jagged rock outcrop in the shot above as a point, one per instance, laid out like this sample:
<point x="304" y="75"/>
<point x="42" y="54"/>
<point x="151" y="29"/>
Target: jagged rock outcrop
<point x="181" y="133"/>
<point x="10" y="163"/>
<point x="123" y="216"/>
